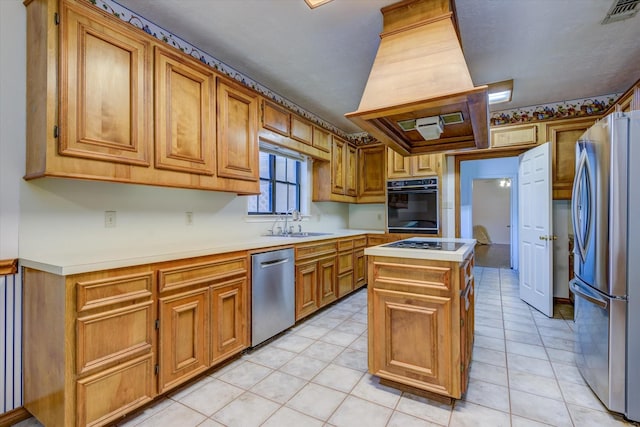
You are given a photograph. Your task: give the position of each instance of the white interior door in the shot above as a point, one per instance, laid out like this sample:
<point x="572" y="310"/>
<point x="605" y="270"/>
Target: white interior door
<point x="535" y="226"/>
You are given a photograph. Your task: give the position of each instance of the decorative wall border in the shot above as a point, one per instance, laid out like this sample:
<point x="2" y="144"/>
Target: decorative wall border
<point x="126" y="15"/>
<point x="555" y="110"/>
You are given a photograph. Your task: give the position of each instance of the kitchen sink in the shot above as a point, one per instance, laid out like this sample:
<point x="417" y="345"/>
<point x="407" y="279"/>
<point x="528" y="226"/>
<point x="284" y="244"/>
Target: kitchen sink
<point x="303" y="234"/>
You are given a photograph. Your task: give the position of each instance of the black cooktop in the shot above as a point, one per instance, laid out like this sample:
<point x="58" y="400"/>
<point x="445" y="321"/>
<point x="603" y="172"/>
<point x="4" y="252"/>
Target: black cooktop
<point x="425" y="244"/>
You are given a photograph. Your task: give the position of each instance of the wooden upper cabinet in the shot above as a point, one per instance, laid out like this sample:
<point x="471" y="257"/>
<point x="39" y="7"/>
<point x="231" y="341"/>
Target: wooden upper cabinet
<point x="185" y="114"/>
<point x="399" y="166"/>
<point x="301" y="130"/>
<point x="275" y="118"/>
<point x="563" y="136"/>
<point x="371" y="173"/>
<point x="338" y="179"/>
<point x="351" y="171"/>
<point x="514" y="136"/>
<point x="321" y="139"/>
<point x="237" y="145"/>
<point x="105" y="87"/>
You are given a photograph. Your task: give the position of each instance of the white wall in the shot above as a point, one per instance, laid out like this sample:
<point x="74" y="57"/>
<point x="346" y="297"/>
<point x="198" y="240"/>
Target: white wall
<point x="367" y="216"/>
<point x="12" y="120"/>
<point x="492" y="209"/>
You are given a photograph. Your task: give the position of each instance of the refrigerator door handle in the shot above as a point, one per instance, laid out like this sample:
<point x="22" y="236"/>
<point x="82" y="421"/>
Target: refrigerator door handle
<point x="579" y="290"/>
<point x="578" y="182"/>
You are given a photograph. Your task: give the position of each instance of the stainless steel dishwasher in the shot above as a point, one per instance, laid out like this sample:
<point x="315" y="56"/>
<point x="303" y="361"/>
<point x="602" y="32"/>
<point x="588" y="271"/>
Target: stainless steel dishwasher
<point x="272" y="294"/>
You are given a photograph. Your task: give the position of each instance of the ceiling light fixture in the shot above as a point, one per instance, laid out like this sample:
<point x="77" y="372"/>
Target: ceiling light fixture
<point x="505" y="182"/>
<point x="315" y="3"/>
<point x="500" y="91"/>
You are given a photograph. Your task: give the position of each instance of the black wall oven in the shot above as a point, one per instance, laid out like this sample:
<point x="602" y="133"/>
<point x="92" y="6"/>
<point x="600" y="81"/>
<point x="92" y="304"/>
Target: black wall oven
<point x="412" y="206"/>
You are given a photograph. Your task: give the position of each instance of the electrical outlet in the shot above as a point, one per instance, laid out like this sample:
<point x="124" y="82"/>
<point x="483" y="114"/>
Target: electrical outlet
<point x="109" y="219"/>
<point x="188" y="218"/>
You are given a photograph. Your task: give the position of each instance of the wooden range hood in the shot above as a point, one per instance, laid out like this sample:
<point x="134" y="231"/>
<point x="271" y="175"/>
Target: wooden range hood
<point x="420" y="72"/>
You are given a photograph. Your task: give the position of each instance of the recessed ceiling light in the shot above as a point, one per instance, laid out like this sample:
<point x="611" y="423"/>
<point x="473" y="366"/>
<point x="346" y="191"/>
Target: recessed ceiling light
<point x="500" y="91"/>
<point x="315" y="3"/>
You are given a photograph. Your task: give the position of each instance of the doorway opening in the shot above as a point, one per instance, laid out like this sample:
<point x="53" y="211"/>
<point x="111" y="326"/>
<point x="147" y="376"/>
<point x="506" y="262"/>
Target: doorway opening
<point x="482" y="208"/>
<point x="491" y="220"/>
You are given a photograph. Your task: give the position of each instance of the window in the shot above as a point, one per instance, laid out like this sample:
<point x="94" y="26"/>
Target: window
<point x="280" y="179"/>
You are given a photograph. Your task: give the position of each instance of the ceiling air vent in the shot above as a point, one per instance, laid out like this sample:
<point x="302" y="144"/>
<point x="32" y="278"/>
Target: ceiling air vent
<point x="621" y="9"/>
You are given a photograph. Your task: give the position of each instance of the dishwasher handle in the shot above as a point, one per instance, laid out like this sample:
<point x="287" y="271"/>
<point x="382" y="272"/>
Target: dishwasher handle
<point x="266" y="264"/>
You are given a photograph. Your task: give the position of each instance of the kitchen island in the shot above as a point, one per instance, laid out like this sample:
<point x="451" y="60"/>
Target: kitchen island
<point x="420" y="314"/>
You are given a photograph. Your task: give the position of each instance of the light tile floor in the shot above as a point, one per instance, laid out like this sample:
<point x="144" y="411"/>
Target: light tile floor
<point x="522" y="374"/>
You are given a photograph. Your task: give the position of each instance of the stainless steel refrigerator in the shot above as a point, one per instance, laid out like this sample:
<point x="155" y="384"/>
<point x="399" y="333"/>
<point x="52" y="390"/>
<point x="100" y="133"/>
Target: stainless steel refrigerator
<point x="605" y="210"/>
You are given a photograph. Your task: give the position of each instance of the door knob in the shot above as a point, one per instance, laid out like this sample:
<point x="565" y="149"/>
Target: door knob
<point x="548" y="237"/>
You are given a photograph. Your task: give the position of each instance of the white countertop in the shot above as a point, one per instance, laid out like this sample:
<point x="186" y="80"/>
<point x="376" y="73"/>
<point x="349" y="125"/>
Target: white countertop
<point x="458" y="255"/>
<point x="66" y="263"/>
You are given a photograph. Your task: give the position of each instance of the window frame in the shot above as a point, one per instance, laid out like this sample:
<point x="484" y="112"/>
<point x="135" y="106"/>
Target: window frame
<point x="272" y="179"/>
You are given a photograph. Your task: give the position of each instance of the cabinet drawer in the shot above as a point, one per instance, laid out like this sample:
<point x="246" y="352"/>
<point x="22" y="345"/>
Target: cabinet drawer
<point x="360" y="242"/>
<point x="111" y="394"/>
<point x="197" y="274"/>
<point x="315" y="250"/>
<point x="392" y="273"/>
<point x="345" y="262"/>
<point x="107" y="338"/>
<point x="113" y="290"/>
<point x="345" y="245"/>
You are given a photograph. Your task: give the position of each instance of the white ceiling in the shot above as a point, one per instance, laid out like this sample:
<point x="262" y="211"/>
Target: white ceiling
<point x="555" y="50"/>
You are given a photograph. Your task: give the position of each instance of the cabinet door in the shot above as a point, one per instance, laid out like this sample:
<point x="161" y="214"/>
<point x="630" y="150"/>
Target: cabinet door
<point x="515" y="136"/>
<point x="229" y="319"/>
<point x="301" y="130"/>
<point x="411" y="340"/>
<point x="105" y="90"/>
<point x="338" y="179"/>
<point x="237" y="146"/>
<point x="306" y="288"/>
<point x="327" y="280"/>
<point x="183" y="337"/>
<point x="275" y="118"/>
<point x="426" y="164"/>
<point x="360" y="268"/>
<point x="398" y="166"/>
<point x="371" y="174"/>
<point x="185" y="114"/>
<point x="351" y="171"/>
<point x="321" y="139"/>
<point x="563" y="137"/>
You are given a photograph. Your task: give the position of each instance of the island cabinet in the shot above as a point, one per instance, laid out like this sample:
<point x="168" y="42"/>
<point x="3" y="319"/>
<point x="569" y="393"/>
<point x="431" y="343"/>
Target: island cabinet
<point x="316" y="276"/>
<point x="107" y="101"/>
<point x="421" y="323"/>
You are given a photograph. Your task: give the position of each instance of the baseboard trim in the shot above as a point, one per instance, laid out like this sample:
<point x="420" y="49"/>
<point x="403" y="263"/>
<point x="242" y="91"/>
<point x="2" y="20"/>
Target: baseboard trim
<point x="558" y="300"/>
<point x="14" y="417"/>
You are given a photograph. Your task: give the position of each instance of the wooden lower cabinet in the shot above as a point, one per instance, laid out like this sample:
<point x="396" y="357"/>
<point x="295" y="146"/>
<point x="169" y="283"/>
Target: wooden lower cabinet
<point x="417" y="319"/>
<point x="183" y="339"/>
<point x="316" y="276"/>
<point x="89" y="347"/>
<point x="229" y="324"/>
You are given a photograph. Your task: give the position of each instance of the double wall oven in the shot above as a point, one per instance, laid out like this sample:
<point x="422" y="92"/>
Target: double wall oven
<point x="413" y="206"/>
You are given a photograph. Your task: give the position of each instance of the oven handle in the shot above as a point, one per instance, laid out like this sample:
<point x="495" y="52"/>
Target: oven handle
<point x="422" y="189"/>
